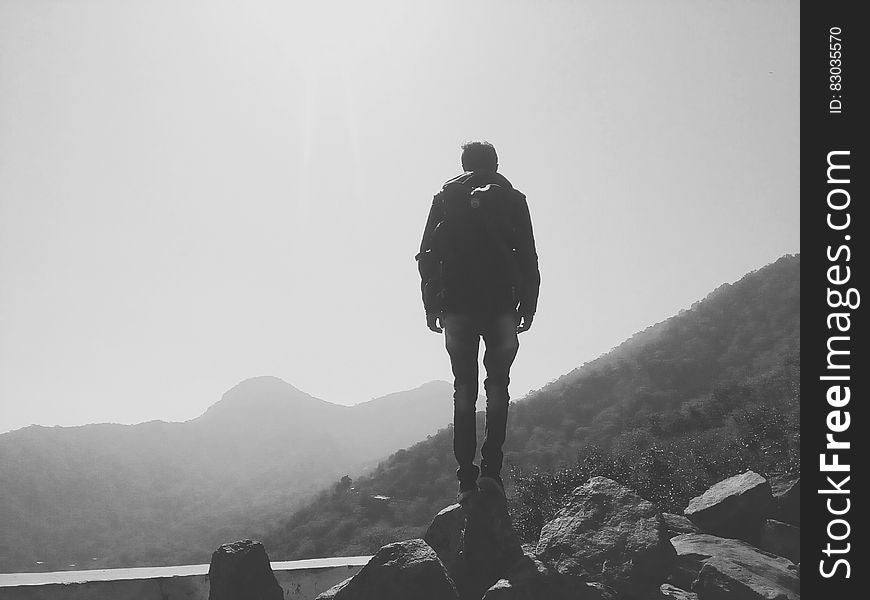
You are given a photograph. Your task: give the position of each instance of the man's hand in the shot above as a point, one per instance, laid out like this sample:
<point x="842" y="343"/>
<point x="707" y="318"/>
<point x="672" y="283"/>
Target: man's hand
<point x="524" y="322"/>
<point x="433" y="320"/>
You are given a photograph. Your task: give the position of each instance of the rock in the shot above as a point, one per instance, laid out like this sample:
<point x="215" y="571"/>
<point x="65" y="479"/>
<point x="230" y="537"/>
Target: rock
<point x="444" y="535"/>
<point x="398" y="571"/>
<point x="782" y="539"/>
<point x="332" y="592"/>
<point x="677" y="524"/>
<point x="531" y="579"/>
<point x="606" y="533"/>
<point x="477" y="543"/>
<point x="670" y="592"/>
<point x="721" y="579"/>
<point x="695" y="550"/>
<point x="601" y="592"/>
<point x="241" y="571"/>
<point x="732" y="508"/>
<point x="786" y="491"/>
<point x="503" y="589"/>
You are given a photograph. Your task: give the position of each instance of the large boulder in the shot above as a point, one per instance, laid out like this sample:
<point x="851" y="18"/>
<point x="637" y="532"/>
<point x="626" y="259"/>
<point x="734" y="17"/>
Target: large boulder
<point x="781" y="539"/>
<point x="532" y="579"/>
<point x="606" y="533"/>
<point x="677" y="524"/>
<point x="735" y="560"/>
<point x="732" y="508"/>
<point x="786" y="491"/>
<point x="398" y="571"/>
<point x="444" y="535"/>
<point x="476" y="542"/>
<point x="241" y="571"/>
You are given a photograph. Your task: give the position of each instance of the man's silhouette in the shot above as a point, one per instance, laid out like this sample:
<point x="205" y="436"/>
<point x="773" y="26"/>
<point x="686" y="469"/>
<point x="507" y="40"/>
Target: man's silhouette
<point x="480" y="279"/>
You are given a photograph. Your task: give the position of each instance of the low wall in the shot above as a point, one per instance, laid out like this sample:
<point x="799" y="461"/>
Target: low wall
<point x="300" y="580"/>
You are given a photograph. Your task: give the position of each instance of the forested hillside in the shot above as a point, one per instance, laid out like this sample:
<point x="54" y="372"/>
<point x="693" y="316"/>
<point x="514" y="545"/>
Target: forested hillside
<point x="687" y="402"/>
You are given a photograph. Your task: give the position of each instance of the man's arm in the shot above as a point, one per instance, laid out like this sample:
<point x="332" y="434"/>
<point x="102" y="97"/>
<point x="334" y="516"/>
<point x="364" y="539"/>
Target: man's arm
<point x="427" y="264"/>
<point x="527" y="256"/>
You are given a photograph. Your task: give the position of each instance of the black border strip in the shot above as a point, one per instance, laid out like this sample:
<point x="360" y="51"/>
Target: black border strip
<point x="830" y="121"/>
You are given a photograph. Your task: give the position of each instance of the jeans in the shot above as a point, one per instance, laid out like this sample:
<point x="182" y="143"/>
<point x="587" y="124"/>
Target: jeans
<point x="462" y="333"/>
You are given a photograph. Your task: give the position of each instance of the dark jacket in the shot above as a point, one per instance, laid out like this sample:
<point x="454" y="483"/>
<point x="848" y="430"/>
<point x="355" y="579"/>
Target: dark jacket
<point x="502" y="273"/>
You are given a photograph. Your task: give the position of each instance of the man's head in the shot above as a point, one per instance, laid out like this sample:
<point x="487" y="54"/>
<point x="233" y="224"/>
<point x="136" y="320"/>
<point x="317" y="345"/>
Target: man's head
<point x="479" y="156"/>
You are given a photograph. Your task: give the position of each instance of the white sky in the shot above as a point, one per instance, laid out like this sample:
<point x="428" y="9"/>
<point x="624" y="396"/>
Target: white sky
<point x="197" y="192"/>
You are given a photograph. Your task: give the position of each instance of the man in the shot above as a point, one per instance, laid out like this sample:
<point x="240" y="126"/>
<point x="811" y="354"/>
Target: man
<point x="480" y="279"/>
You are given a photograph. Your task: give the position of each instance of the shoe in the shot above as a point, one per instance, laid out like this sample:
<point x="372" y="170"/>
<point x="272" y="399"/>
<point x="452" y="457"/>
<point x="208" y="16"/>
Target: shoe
<point x="466" y="491"/>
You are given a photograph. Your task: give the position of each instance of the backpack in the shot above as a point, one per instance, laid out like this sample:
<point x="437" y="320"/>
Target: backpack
<point x="471" y="263"/>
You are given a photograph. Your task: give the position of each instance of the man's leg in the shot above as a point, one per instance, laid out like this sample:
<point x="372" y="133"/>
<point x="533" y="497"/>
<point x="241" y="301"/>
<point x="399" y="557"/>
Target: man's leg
<point x="500" y="337"/>
<point x="462" y="339"/>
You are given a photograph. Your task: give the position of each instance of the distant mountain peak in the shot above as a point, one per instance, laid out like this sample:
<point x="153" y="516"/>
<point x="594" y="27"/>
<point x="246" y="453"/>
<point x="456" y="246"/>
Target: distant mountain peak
<point x="263" y="382"/>
<point x="436" y="383"/>
<point x="263" y="395"/>
<point x="254" y="455"/>
<point x="432" y="391"/>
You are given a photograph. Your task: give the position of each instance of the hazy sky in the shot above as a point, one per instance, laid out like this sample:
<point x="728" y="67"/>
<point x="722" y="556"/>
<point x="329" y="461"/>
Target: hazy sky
<point x="197" y="192"/>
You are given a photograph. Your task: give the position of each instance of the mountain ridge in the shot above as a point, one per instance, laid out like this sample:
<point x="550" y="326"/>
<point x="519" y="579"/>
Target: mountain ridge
<point x="428" y="385"/>
<point x="668" y="393"/>
<point x="122" y="492"/>
<point x="679" y="405"/>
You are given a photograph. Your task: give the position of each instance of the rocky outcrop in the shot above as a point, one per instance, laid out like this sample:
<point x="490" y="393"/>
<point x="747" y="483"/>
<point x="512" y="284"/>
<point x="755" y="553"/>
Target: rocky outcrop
<point x="786" y="492"/>
<point x="476" y="542"/>
<point x="606" y="543"/>
<point x="781" y="539"/>
<point x="398" y="571"/>
<point x="241" y="571"/>
<point x="677" y="524"/>
<point x="732" y="508"/>
<point x="735" y="564"/>
<point x="608" y="534"/>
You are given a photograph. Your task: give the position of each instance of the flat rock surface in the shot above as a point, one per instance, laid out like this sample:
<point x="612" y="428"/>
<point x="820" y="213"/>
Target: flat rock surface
<point x="695" y="550"/>
<point x="722" y="579"/>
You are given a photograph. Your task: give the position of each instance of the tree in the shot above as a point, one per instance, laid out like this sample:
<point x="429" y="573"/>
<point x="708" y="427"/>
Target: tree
<point x="343" y="485"/>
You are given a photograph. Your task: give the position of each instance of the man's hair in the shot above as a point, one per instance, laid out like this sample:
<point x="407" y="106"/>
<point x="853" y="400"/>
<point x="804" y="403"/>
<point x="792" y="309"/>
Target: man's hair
<point x="479" y="156"/>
